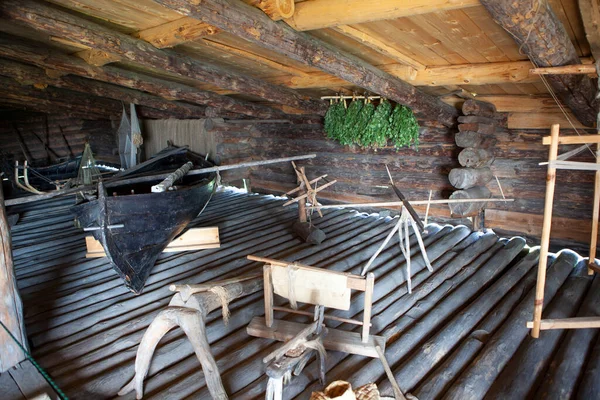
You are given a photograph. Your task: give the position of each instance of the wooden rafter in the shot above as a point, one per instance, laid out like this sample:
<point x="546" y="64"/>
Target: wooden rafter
<point x="543" y="38"/>
<point x="590" y="15"/>
<point x="251" y="24"/>
<point x="317" y="14"/>
<point x="51" y="60"/>
<point x="30" y="75"/>
<point x="58" y="23"/>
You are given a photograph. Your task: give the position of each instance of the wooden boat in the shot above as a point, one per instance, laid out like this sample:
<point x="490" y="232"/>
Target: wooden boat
<point x="134" y="224"/>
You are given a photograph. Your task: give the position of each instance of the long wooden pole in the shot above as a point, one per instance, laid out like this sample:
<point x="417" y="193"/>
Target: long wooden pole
<point x="596" y="209"/>
<point x="545" y="243"/>
<point x="400" y="204"/>
<point x="11" y="307"/>
<point x="28" y="199"/>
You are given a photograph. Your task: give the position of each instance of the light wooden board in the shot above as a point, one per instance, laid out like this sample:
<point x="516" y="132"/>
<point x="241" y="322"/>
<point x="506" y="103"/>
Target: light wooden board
<point x="336" y="339"/>
<point x="568" y="323"/>
<point x="193" y="239"/>
<point x="313" y="287"/>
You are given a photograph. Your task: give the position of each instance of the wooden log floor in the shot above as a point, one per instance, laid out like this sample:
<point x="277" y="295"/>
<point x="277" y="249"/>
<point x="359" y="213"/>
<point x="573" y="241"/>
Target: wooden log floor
<point x="461" y="334"/>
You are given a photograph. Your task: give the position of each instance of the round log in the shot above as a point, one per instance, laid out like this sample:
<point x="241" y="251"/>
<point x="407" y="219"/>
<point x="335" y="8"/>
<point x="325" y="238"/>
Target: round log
<point x="462" y="209"/>
<point x="275" y="9"/>
<point x="486" y="129"/>
<point x="464" y="178"/>
<point x="481" y="108"/>
<point x="468" y="139"/>
<point x="475" y="158"/>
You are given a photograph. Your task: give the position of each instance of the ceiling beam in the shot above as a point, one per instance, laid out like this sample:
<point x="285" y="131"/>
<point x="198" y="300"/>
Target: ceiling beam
<point x="318" y="14"/>
<point x="30" y="75"/>
<point x="67" y="100"/>
<point x="544" y="39"/>
<point x="251" y="24"/>
<point x="176" y="32"/>
<point x="30" y="53"/>
<point x="590" y="15"/>
<point x="62" y="24"/>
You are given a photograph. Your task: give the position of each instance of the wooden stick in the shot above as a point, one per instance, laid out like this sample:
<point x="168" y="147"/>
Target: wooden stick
<point x="311" y="182"/>
<point x="568" y="323"/>
<point x="427" y="209"/>
<point x="595" y="211"/>
<point x="268" y="289"/>
<point x="579" y="139"/>
<point x="545" y="242"/>
<point x="306" y="194"/>
<point x="388" y="371"/>
<point x="330" y="317"/>
<point x="368" y="306"/>
<point x="301" y="336"/>
<point x="400" y="204"/>
<point x="385" y="242"/>
<point x="248" y="164"/>
<point x="410" y="209"/>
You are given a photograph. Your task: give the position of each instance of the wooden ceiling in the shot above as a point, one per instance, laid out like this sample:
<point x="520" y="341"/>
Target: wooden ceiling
<point x="442" y="47"/>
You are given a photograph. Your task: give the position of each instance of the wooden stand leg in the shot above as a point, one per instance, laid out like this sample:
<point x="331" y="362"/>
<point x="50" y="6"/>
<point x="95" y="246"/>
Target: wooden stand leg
<point x="268" y="288"/>
<point x="368" y="304"/>
<point x="545" y="242"/>
<point x="11" y="308"/>
<point x="595" y="215"/>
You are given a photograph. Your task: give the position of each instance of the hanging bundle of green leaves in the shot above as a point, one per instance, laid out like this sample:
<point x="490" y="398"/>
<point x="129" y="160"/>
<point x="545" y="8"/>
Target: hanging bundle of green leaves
<point x="334" y="119"/>
<point x="375" y="133"/>
<point x="362" y="120"/>
<point x="403" y="127"/>
<point x="352" y="114"/>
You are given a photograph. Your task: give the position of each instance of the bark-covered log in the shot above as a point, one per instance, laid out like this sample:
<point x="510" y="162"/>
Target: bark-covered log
<point x="486" y="129"/>
<point x="30" y="75"/>
<point x="463" y="209"/>
<point x="49" y="59"/>
<point x="59" y="23"/>
<point x="479" y="108"/>
<point x="465" y="178"/>
<point x="251" y="24"/>
<point x="477" y="379"/>
<point x="475" y="119"/>
<point x="473" y="139"/>
<point x="475" y="158"/>
<point x="543" y="38"/>
<point x="524" y="373"/>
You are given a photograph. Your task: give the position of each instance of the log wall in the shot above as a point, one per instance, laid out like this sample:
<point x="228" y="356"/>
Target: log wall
<point x="63" y="135"/>
<point x="362" y="177"/>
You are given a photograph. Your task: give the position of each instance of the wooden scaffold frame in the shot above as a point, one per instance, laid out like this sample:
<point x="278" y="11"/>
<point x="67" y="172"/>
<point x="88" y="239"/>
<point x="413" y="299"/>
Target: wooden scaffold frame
<point x="554" y="163"/>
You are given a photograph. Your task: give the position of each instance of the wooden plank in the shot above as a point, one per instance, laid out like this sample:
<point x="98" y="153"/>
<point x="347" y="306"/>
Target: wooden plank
<point x="9" y="388"/>
<point x="318" y="14"/>
<point x="595" y="214"/>
<point x="30" y="381"/>
<point x="248" y="23"/>
<point x="568" y="323"/>
<point x="268" y="289"/>
<point x="336" y="339"/>
<point x="379" y="46"/>
<point x="579" y="139"/>
<point x="520" y="120"/>
<point x="545" y="240"/>
<point x="192" y="239"/>
<point x="368" y="307"/>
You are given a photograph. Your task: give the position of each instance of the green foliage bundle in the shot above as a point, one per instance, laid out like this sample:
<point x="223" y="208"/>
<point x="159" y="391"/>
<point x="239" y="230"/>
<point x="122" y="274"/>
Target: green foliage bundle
<point x="367" y="126"/>
<point x="334" y="120"/>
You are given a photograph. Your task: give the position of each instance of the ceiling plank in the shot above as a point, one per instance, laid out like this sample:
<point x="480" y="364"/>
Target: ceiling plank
<point x="318" y="14"/>
<point x="543" y="38"/>
<point x="379" y="46"/>
<point x="58" y="23"/>
<point x="30" y="53"/>
<point x="251" y="24"/>
<point x="30" y="75"/>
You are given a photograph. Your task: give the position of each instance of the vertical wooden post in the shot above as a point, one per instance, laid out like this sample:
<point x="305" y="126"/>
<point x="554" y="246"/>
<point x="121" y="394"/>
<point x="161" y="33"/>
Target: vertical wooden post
<point x="302" y="202"/>
<point x="370" y="285"/>
<point x="595" y="215"/>
<point x="545" y="243"/>
<point x="11" y="307"/>
<point x="268" y="288"/>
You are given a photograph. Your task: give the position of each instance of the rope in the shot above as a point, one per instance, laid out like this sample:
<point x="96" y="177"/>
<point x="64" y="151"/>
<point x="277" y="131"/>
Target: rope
<point x="37" y="366"/>
<point x="222" y="295"/>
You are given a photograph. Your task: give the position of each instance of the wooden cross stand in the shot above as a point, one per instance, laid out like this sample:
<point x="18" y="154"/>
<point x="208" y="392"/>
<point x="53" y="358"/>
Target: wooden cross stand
<point x="553" y="164"/>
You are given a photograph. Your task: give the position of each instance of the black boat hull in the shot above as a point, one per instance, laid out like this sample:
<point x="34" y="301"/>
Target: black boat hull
<point x="150" y="222"/>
